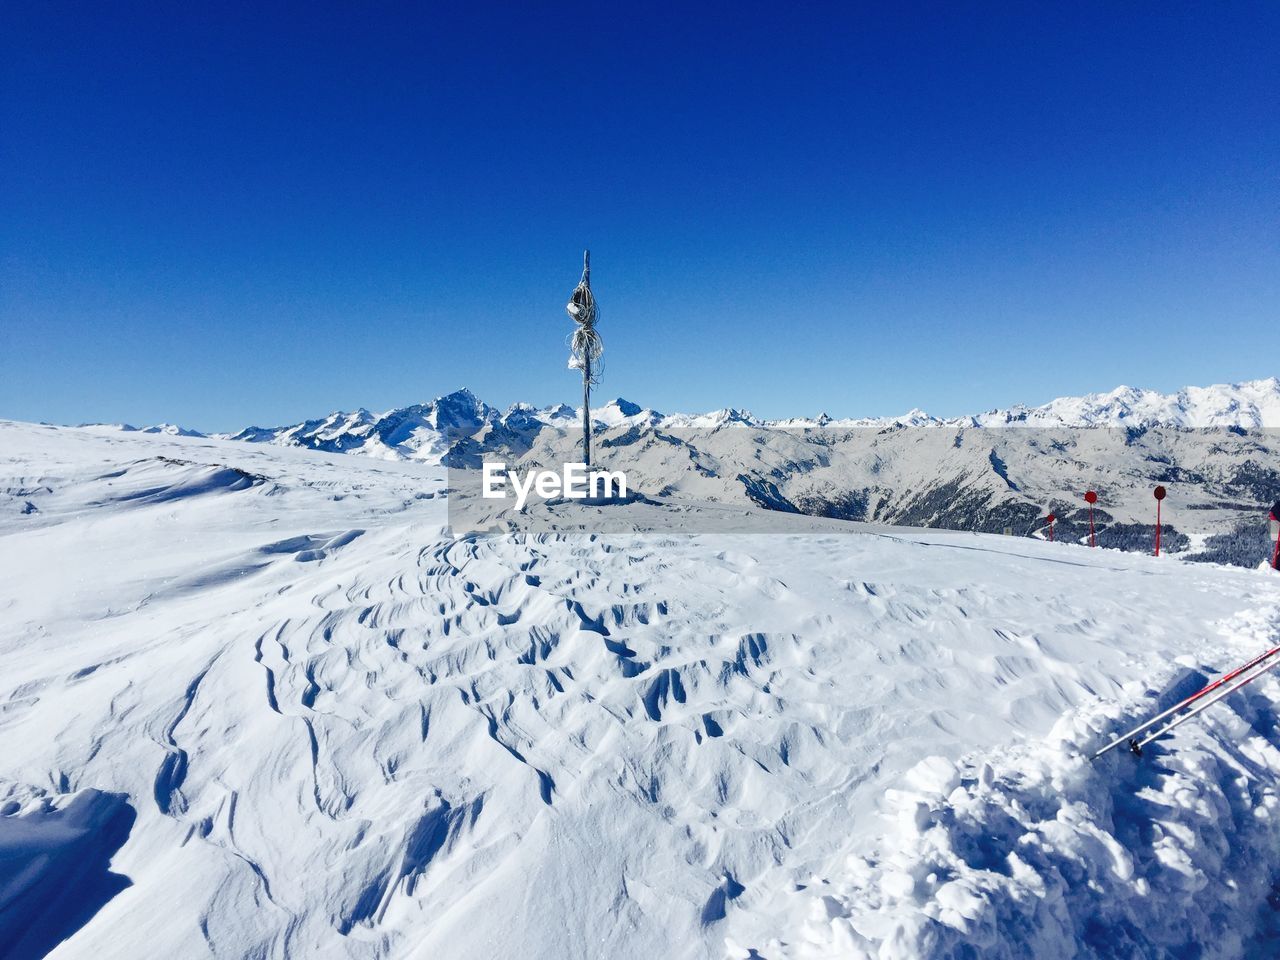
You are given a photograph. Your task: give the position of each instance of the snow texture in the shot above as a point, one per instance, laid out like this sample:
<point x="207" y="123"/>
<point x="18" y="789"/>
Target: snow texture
<point x="1035" y="851"/>
<point x="257" y="703"/>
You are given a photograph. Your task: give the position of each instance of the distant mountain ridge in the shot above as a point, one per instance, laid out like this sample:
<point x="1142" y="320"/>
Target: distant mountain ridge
<point x="965" y="474"/>
<point x="420" y="431"/>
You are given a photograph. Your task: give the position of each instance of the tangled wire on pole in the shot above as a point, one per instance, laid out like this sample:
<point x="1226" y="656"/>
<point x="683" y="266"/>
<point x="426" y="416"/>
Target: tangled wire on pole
<point x="585" y="346"/>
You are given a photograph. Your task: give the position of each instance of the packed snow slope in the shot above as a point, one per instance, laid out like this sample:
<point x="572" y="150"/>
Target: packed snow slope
<point x="256" y="702"/>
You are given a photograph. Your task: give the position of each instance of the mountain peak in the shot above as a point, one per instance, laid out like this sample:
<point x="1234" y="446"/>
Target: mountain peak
<point x="462" y="395"/>
<point x="625" y="407"/>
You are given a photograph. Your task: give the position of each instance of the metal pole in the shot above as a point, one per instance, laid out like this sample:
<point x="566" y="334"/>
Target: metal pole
<point x="1208" y="688"/>
<point x="586" y="411"/>
<point x="1137" y="745"/>
<point x="586" y="377"/>
<point x="1157" y="528"/>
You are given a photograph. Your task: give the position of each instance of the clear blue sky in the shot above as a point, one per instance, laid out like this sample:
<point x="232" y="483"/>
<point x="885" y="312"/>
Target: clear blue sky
<point x="218" y="215"/>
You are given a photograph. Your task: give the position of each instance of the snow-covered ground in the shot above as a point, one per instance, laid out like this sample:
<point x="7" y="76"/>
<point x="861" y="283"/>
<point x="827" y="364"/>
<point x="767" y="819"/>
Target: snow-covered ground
<point x="257" y="703"/>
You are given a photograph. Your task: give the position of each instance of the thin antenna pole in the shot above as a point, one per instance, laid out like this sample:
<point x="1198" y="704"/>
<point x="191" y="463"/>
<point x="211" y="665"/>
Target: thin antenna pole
<point x="586" y="410"/>
<point x="586" y="376"/>
<point x="585" y="346"/>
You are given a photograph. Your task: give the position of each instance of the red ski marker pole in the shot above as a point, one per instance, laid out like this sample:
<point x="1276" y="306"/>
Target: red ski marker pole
<point x="1051" y="518"/>
<point x="1275" y="532"/>
<point x="1091" y="498"/>
<point x="1160" y="495"/>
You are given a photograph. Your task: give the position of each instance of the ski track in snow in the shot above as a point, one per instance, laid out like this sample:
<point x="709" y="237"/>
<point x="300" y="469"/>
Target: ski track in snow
<point x="345" y="734"/>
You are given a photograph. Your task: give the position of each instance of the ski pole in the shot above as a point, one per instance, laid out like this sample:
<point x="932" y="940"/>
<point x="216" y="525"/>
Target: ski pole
<point x="1208" y="688"/>
<point x="1136" y="745"/>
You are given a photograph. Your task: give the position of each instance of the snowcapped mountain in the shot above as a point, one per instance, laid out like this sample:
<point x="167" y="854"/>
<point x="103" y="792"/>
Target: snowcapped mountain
<point x="916" y="469"/>
<point x="168" y="429"/>
<point x="1253" y="404"/>
<point x="417" y="432"/>
<point x="1220" y="482"/>
<point x="421" y="432"/>
<point x="1250" y="405"/>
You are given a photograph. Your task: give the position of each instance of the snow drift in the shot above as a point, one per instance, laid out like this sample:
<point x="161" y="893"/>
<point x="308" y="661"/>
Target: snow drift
<point x="1035" y="851"/>
<point x="54" y="872"/>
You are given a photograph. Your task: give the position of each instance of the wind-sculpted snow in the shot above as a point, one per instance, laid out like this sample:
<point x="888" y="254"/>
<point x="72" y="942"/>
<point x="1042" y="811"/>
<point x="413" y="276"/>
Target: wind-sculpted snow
<point x="1034" y="851"/>
<point x="347" y="734"/>
<point x="54" y="868"/>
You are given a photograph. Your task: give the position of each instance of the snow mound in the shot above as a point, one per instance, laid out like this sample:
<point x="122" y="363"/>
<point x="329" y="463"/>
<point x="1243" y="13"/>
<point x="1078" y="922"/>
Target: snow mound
<point x="1036" y="851"/>
<point x="54" y="866"/>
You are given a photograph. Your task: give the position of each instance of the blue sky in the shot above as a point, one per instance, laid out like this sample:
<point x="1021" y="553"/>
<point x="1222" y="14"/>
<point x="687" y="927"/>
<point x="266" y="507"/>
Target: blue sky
<point x="224" y="216"/>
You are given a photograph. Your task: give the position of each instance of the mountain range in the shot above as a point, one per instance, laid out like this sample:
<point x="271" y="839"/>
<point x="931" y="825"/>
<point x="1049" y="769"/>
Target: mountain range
<point x="998" y="471"/>
<point x="419" y="431"/>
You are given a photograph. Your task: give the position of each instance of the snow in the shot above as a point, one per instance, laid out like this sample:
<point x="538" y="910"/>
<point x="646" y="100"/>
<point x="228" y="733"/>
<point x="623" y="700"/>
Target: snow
<point x="341" y="732"/>
<point x="54" y="868"/>
<point x="1034" y="851"/>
